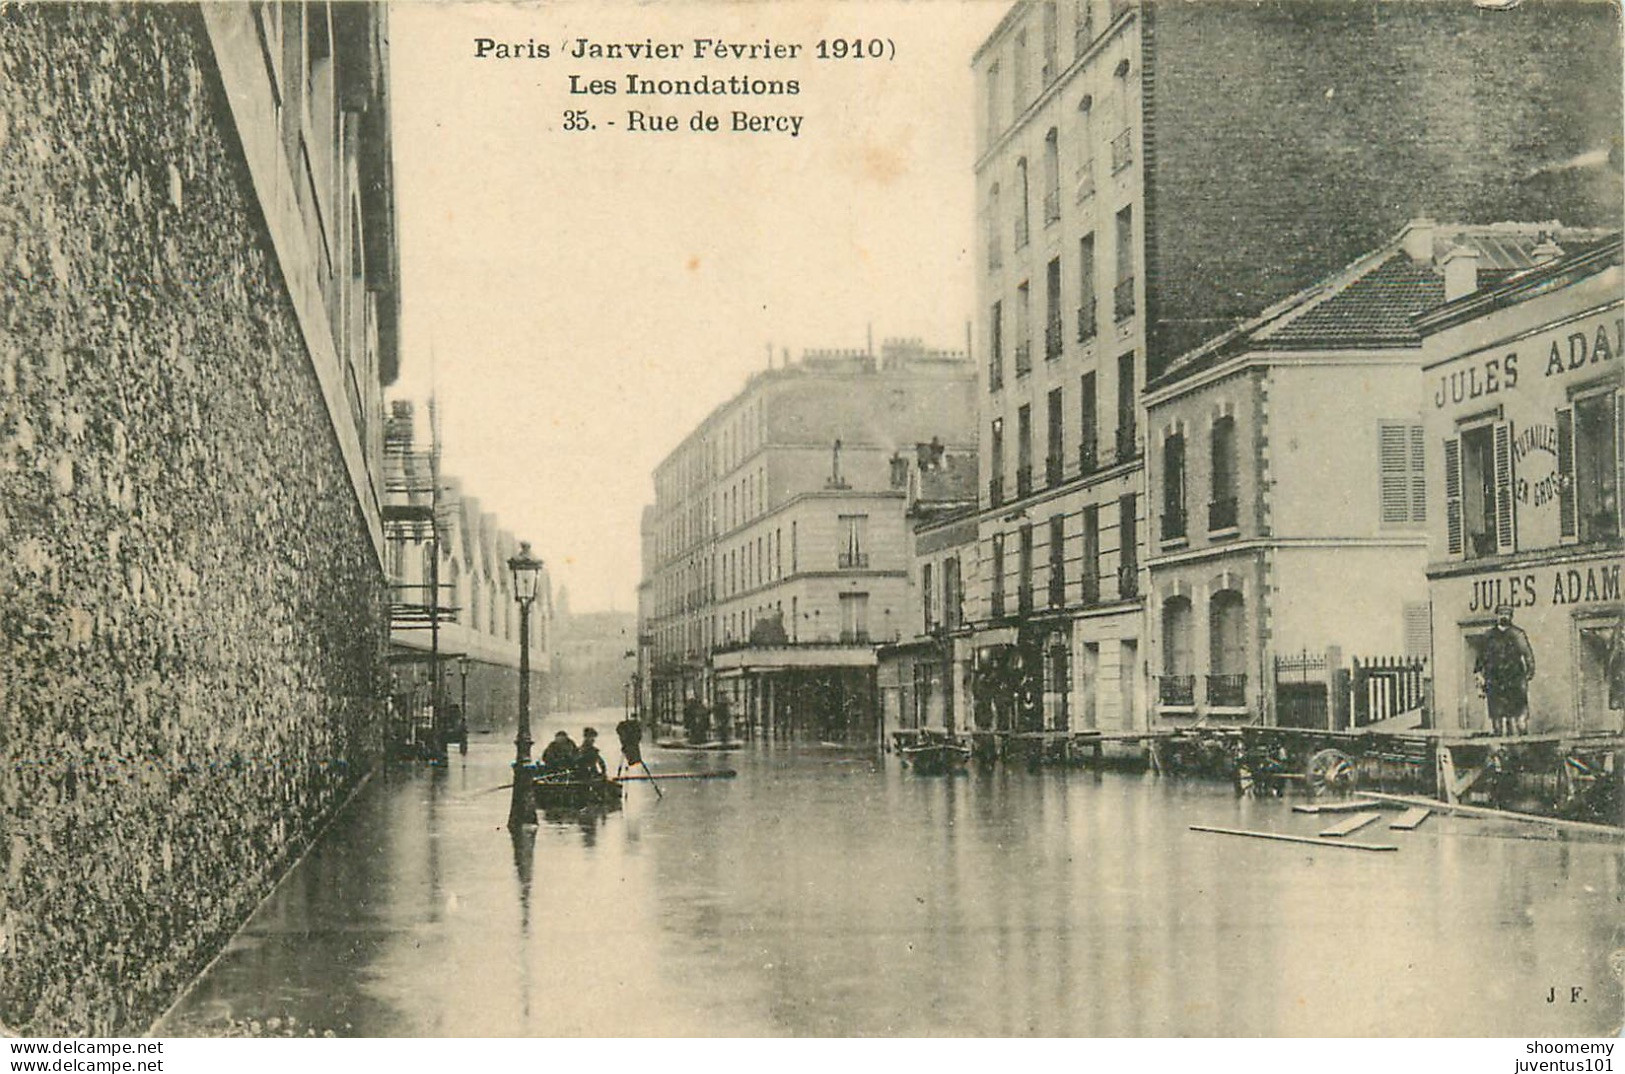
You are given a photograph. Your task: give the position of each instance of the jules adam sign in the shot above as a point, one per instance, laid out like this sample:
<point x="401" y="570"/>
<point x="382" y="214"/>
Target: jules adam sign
<point x="1585" y="344"/>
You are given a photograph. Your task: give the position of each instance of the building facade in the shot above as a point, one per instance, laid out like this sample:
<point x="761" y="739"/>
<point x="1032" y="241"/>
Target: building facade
<point x="1522" y="405"/>
<point x="1289" y="499"/>
<point x="780" y="552"/>
<point x="1143" y="185"/>
<point x="201" y="315"/>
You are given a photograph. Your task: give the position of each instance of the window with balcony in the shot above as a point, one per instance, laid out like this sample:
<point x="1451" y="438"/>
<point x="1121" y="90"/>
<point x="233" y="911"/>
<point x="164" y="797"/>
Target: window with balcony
<point x="1024" y="594"/>
<point x="996" y="590"/>
<point x="995" y="466"/>
<point x="1086" y="288"/>
<point x="1023" y="218"/>
<point x="1024" y="451"/>
<point x="1091" y="554"/>
<point x="1083" y="26"/>
<point x="854" y="550"/>
<point x="1024" y="328"/>
<point x="1128" y="534"/>
<point x="1020" y="92"/>
<point x="1057" y="561"/>
<point x="1127" y="422"/>
<point x="1052" y="310"/>
<point x="1173" y="487"/>
<point x="1089" y="427"/>
<point x="1054" y="459"/>
<point x="1222" y="507"/>
<point x="1052" y="177"/>
<point x="854" y="618"/>
<point x="1227" y="625"/>
<point x="1051" y="29"/>
<point x="1123" y="295"/>
<point x="995" y="350"/>
<point x="1176" y="686"/>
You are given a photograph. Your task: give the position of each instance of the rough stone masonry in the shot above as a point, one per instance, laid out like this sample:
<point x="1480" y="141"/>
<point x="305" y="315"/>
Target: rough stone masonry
<point x="192" y="616"/>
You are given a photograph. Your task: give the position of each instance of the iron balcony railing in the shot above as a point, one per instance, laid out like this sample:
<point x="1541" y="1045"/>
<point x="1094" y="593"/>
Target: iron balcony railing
<point x="1123" y="150"/>
<point x="1128" y="580"/>
<point x="1176" y="690"/>
<point x="1123" y="299"/>
<point x="1221" y="514"/>
<point x="1087" y="326"/>
<point x="853" y="560"/>
<point x="1052" y="206"/>
<point x="1173" y="524"/>
<point x="1024" y="357"/>
<point x="1228" y="691"/>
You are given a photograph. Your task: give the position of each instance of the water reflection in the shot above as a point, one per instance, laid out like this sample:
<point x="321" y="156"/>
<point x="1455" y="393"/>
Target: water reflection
<point x="829" y="892"/>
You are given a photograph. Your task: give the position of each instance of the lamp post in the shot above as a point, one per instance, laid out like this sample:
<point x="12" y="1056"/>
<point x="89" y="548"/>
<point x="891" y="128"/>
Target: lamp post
<point x="462" y="707"/>
<point x="527" y="571"/>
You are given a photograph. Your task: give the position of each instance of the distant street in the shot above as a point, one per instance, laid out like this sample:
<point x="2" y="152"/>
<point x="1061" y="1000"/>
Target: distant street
<point x="822" y="892"/>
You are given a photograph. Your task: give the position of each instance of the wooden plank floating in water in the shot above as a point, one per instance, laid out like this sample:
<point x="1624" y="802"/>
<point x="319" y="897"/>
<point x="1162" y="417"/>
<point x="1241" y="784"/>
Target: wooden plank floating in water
<point x="1349" y="825"/>
<point x="1348" y="844"/>
<point x="1578" y="826"/>
<point x="1409" y="819"/>
<point x="1330" y="807"/>
<point x="724" y="773"/>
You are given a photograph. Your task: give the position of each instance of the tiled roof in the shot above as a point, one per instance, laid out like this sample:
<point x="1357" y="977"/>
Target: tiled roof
<point x="1373" y="311"/>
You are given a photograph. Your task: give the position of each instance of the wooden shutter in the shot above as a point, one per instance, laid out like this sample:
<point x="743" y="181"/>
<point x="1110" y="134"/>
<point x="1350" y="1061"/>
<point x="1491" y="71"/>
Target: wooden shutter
<point x="1452" y="494"/>
<point x="1392" y="464"/>
<point x="1505" y="511"/>
<point x="1419" y="480"/>
<point x="1565" y="472"/>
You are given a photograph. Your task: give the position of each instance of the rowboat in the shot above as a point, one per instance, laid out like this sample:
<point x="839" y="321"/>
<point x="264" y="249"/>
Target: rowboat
<point x="567" y="790"/>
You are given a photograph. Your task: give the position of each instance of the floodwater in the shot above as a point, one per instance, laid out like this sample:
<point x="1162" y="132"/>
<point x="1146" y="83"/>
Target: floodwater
<point x="830" y="892"/>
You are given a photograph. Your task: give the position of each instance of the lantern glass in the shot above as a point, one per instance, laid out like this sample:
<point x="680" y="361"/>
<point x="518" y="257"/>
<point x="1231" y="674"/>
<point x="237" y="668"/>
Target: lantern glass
<point x="527" y="570"/>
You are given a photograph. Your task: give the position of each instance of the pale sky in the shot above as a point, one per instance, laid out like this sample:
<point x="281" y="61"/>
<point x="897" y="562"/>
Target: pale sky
<point x="588" y="297"/>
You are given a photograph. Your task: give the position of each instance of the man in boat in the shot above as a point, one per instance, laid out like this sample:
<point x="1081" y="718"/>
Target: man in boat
<point x="560" y="754"/>
<point x="1504" y="667"/>
<point x="589" y="762"/>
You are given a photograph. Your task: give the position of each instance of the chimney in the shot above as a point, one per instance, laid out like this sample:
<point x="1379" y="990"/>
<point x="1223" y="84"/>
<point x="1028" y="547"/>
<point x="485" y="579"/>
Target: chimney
<point x="1547" y="251"/>
<point x="1419" y="239"/>
<point x="1460" y="272"/>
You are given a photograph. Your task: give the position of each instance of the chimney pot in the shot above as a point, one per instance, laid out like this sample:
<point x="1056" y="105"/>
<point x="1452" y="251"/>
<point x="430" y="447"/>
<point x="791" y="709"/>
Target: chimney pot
<point x="1419" y="239"/>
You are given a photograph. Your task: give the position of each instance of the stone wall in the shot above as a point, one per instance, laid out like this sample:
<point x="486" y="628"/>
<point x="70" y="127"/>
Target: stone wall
<point x="192" y="617"/>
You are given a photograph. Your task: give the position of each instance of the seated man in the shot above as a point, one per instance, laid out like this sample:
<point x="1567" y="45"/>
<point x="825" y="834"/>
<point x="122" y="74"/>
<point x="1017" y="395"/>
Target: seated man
<point x="589" y="762"/>
<point x="560" y="755"/>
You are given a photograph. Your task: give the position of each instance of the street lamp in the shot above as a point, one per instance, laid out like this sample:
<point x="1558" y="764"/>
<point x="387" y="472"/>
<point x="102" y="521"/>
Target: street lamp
<point x="527" y="571"/>
<point x="462" y="711"/>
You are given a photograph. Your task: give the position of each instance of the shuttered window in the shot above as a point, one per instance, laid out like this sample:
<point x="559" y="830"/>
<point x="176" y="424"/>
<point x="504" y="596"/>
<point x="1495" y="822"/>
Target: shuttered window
<point x="1505" y="513"/>
<point x="1480" y="515"/>
<point x="1403" y="482"/>
<point x="1452" y="495"/>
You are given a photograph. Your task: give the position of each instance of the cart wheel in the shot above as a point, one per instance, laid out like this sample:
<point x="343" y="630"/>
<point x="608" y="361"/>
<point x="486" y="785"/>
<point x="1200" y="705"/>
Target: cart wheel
<point x="1329" y="772"/>
<point x="1243" y="775"/>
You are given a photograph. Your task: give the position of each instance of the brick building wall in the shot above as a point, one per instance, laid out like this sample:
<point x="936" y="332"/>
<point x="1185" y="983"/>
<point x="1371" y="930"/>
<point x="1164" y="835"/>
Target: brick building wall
<point x="192" y="618"/>
<point x="1286" y="138"/>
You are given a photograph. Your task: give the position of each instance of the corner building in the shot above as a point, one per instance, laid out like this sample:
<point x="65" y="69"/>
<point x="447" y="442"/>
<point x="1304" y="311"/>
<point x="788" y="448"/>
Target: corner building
<point x="1151" y="174"/>
<point x="779" y="553"/>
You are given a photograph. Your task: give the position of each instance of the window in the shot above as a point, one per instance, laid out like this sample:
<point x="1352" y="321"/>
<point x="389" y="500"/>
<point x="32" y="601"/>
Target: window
<point x="927" y="597"/>
<point x="1128" y="534"/>
<point x="1023" y="228"/>
<point x="1091" y="554"/>
<point x="995" y="481"/>
<point x="854" y="541"/>
<point x="1221" y="512"/>
<point x="1052" y="33"/>
<point x="1052" y="176"/>
<point x="1177" y="686"/>
<point x="1018" y="74"/>
<point x="993" y="110"/>
<point x="1173" y="487"/>
<point x="1478" y="490"/>
<point x="1052" y="310"/>
<point x="1083" y="26"/>
<point x="1057" y="561"/>
<point x="995" y="248"/>
<point x="1086" y="288"/>
<point x="1227" y="680"/>
<point x="997" y="593"/>
<point x="1404" y="477"/>
<point x="953" y="594"/>
<point x="1024" y="451"/>
<point x="1054" y="466"/>
<point x="1089" y="428"/>
<point x="1024" y="338"/>
<point x="1588" y="450"/>
<point x="1127" y="433"/>
<point x="1025" y="565"/>
<point x="1123" y="296"/>
<point x="794" y="558"/>
<point x="995" y="350"/>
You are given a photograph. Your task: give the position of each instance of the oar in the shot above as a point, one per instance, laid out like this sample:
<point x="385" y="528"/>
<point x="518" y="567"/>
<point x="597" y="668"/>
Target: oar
<point x="725" y="773"/>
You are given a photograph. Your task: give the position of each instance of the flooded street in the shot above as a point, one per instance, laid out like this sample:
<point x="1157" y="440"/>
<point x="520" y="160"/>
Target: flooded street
<point x="826" y="892"/>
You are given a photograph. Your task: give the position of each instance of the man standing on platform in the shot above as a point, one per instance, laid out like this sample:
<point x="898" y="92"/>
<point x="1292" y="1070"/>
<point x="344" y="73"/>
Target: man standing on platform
<point x="1505" y="665"/>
